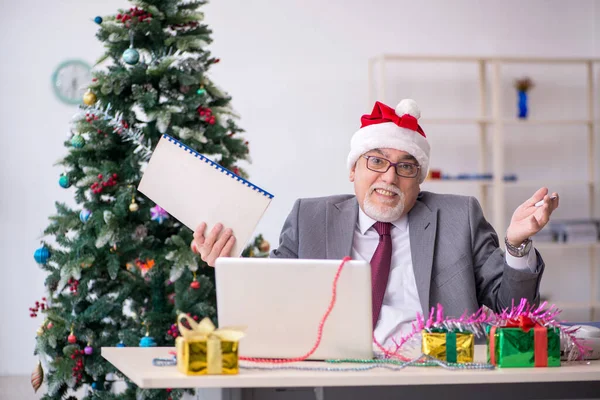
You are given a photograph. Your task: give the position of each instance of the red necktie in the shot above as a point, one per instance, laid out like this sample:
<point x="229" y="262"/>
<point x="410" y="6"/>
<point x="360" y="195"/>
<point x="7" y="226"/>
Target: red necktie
<point x="380" y="267"/>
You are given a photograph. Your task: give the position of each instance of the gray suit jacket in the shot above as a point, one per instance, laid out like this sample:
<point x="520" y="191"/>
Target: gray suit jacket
<point x="456" y="257"/>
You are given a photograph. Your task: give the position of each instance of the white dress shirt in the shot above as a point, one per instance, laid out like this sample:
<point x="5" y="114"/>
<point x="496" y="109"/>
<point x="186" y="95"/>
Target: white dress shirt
<point x="401" y="301"/>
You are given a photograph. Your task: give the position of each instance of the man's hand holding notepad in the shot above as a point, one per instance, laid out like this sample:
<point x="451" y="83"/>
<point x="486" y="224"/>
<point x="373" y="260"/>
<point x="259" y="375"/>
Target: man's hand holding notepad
<point x="194" y="189"/>
<point x="218" y="243"/>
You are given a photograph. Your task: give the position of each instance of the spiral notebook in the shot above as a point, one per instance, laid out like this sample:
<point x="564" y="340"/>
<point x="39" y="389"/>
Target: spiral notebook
<point x="194" y="189"/>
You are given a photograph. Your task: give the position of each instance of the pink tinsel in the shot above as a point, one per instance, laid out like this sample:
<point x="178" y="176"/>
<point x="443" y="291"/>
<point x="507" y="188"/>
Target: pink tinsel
<point x="466" y="323"/>
<point x="476" y="322"/>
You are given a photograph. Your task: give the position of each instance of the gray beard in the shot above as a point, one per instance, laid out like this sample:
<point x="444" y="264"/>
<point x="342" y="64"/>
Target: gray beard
<point x="383" y="213"/>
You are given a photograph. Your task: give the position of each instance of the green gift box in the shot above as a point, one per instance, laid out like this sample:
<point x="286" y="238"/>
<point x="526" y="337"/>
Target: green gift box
<point x="527" y="346"/>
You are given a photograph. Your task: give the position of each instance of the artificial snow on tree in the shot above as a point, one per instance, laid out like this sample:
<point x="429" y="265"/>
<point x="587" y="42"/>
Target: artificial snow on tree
<point x="119" y="270"/>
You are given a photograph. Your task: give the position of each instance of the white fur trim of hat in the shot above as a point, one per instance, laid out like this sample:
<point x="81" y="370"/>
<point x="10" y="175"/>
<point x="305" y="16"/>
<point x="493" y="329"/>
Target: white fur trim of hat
<point x="386" y="128"/>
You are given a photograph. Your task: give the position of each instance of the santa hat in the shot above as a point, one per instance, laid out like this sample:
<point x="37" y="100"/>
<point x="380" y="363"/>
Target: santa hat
<point x="386" y="128"/>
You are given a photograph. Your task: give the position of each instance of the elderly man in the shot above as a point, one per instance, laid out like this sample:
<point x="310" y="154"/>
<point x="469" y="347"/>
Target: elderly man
<point x="424" y="248"/>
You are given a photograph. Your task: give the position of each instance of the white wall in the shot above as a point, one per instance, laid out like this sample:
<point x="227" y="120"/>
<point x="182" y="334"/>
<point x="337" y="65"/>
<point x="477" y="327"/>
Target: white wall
<point x="297" y="71"/>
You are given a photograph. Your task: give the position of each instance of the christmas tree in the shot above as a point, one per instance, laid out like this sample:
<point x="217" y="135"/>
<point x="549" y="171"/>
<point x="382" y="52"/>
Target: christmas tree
<point x="118" y="267"/>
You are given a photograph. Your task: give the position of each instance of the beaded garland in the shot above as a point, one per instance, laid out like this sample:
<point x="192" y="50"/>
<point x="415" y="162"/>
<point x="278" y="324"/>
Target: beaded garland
<point x="423" y="360"/>
<point x="164" y="362"/>
<point x="393" y="365"/>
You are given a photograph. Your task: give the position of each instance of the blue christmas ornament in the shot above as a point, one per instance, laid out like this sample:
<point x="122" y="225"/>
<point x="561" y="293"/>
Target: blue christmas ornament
<point x="64" y="181"/>
<point x="131" y="56"/>
<point x="98" y="20"/>
<point x="147" y="341"/>
<point x="94" y="385"/>
<point x="121" y="344"/>
<point x="84" y="215"/>
<point x="41" y="255"/>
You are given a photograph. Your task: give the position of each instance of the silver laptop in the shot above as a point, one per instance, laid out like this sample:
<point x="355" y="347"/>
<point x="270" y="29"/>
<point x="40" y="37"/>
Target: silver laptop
<point x="282" y="301"/>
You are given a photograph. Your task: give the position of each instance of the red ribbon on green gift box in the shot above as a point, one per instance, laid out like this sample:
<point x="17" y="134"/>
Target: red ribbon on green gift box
<point x="540" y="339"/>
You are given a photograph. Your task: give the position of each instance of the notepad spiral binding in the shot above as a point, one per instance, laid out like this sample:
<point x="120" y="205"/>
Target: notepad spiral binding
<point x="217" y="166"/>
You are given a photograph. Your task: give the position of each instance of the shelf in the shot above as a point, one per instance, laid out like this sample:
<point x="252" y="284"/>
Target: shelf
<point x="518" y="60"/>
<point x="564" y="246"/>
<point x="454" y="121"/>
<point x="548" y="183"/>
<point x="519" y="183"/>
<point x="494" y="127"/>
<point x="459" y="181"/>
<point x="547" y="122"/>
<point x="490" y="121"/>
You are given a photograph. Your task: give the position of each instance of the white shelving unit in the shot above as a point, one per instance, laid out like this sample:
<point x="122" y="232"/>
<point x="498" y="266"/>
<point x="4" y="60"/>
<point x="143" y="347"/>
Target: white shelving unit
<point x="493" y="122"/>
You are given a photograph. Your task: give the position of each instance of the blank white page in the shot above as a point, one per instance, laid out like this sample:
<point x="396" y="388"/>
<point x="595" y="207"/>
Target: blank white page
<point x="193" y="189"/>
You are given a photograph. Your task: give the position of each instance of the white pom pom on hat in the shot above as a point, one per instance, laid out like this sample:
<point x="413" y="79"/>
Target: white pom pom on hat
<point x="408" y="106"/>
<point x="387" y="128"/>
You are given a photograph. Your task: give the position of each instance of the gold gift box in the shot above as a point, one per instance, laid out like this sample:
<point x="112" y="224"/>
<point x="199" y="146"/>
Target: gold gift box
<point x="203" y="350"/>
<point x="209" y="356"/>
<point x="435" y="344"/>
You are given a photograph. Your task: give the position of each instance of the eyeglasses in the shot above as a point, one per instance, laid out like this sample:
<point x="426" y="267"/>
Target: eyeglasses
<point x="381" y="165"/>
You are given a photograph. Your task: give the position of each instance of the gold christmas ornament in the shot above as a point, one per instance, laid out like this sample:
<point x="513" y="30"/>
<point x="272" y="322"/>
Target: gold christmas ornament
<point x="133" y="207"/>
<point x="264" y="246"/>
<point x="89" y="98"/>
<point x="37" y="377"/>
<point x="40" y="331"/>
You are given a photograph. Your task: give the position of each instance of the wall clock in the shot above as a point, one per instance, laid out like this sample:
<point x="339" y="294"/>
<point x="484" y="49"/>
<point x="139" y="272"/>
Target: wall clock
<point x="70" y="80"/>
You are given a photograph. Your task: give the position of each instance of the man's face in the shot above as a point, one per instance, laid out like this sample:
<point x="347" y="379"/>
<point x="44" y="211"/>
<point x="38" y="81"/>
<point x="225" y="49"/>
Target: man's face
<point x="384" y="196"/>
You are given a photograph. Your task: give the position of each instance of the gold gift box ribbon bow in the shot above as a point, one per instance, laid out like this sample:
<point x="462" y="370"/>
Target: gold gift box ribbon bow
<point x="206" y="330"/>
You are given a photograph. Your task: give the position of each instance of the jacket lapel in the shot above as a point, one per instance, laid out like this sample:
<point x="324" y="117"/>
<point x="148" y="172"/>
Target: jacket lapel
<point x="341" y="220"/>
<point x="422" y="223"/>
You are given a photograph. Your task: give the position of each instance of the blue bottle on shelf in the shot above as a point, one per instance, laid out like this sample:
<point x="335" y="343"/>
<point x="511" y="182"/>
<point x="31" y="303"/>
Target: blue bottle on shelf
<point x="522" y="104"/>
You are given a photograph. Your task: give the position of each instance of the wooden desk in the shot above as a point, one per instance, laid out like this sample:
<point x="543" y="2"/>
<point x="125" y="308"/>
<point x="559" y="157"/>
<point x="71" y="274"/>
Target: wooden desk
<point x="136" y="364"/>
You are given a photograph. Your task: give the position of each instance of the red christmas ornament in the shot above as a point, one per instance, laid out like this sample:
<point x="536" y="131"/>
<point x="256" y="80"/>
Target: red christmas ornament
<point x="195" y="284"/>
<point x="72" y="339"/>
